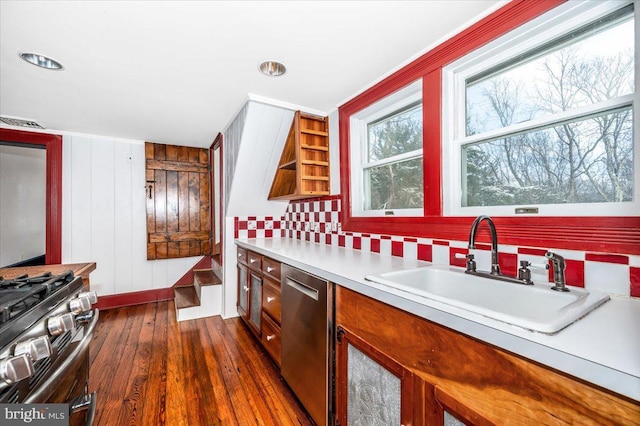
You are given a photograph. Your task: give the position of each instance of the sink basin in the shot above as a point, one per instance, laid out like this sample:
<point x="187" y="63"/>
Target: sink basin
<point x="533" y="307"/>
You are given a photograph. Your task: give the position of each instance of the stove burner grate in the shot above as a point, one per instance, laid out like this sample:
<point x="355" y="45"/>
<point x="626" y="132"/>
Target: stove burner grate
<point x="17" y="295"/>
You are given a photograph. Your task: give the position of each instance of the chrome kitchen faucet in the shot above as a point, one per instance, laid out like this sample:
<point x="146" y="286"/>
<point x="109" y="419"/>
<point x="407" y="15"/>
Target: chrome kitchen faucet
<point x="524" y="274"/>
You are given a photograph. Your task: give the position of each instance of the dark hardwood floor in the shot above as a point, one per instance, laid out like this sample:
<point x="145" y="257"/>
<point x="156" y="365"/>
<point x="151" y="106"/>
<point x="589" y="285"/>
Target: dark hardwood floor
<point x="149" y="369"/>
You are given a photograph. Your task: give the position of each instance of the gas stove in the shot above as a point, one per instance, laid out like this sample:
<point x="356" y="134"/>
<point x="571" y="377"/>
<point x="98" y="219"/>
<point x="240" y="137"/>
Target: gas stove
<point x="46" y="324"/>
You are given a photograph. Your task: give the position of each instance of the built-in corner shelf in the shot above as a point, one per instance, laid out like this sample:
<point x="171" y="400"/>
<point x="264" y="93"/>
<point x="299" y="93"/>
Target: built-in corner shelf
<point x="303" y="170"/>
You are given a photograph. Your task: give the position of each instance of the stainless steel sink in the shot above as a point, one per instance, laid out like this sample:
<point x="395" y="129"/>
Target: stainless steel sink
<point x="533" y="307"/>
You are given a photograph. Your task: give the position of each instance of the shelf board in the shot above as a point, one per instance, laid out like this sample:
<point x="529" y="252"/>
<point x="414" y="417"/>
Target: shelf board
<point x="324" y="178"/>
<point x="291" y="165"/>
<point x="314" y="162"/>
<point x="315" y="147"/>
<point x="314" y="132"/>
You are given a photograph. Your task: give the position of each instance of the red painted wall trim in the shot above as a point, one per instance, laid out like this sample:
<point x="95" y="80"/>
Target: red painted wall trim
<point x="148" y="296"/>
<point x="187" y="279"/>
<point x="53" y="145"/>
<point x="597" y="234"/>
<point x="134" y="298"/>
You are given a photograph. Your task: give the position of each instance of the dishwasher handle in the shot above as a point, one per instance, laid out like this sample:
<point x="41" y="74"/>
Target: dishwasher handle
<point x="302" y="288"/>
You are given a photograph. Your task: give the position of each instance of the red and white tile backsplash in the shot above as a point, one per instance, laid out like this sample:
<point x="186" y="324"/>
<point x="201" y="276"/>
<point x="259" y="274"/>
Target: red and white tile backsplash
<point x="319" y="221"/>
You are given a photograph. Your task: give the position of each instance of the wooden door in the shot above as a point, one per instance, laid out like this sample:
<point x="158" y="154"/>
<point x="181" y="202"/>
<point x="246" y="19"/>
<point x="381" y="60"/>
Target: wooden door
<point x="178" y="208"/>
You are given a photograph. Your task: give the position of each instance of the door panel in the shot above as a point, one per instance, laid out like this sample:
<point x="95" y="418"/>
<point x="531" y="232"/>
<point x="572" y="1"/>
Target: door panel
<point x="178" y="217"/>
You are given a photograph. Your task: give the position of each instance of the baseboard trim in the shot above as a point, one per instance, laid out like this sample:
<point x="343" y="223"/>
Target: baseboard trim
<point x="134" y="298"/>
<point x="111" y="301"/>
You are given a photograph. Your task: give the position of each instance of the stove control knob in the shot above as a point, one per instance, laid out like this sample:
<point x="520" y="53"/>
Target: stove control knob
<point x="16" y="368"/>
<point x="60" y="323"/>
<point x="79" y="305"/>
<point x="38" y="348"/>
<point x="92" y="295"/>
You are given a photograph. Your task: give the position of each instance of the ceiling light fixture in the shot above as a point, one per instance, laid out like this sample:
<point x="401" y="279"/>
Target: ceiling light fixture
<point x="272" y="68"/>
<point x="41" y="61"/>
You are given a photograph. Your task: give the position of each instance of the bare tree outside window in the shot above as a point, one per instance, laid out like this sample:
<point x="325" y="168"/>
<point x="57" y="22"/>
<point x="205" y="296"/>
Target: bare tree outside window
<point x="395" y="178"/>
<point x="583" y="159"/>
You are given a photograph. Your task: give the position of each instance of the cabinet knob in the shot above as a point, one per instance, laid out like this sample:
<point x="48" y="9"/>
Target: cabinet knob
<point x="239" y="254"/>
<point x="270" y="337"/>
<point x="270" y="299"/>
<point x="270" y="269"/>
<point x="245" y="288"/>
<point x="252" y="260"/>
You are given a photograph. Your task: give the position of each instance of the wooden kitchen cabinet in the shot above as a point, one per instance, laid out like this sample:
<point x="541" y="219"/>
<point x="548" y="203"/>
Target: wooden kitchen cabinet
<point x="371" y="388"/>
<point x="259" y="298"/>
<point x="250" y="289"/>
<point x="460" y="380"/>
<point x="303" y="170"/>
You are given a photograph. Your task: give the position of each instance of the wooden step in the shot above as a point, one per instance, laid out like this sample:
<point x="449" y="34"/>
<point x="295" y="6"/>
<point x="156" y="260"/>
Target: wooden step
<point x="205" y="277"/>
<point x="185" y="296"/>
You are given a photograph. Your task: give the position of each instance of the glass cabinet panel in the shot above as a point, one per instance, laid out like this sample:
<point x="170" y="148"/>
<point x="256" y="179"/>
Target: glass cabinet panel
<point x="451" y="420"/>
<point x="255" y="305"/>
<point x="242" y="288"/>
<point x="373" y="394"/>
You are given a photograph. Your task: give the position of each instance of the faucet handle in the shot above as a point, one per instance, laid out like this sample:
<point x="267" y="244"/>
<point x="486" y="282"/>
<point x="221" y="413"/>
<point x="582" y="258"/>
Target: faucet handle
<point x="471" y="263"/>
<point x="544" y="266"/>
<point x="524" y="273"/>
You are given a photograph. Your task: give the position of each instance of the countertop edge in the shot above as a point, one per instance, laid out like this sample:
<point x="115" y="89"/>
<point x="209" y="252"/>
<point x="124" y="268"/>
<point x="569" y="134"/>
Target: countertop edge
<point x="597" y="374"/>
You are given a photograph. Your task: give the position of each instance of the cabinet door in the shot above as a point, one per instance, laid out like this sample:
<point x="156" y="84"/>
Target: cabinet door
<point x="454" y="413"/>
<point x="243" y="291"/>
<point x="255" y="301"/>
<point x="371" y="388"/>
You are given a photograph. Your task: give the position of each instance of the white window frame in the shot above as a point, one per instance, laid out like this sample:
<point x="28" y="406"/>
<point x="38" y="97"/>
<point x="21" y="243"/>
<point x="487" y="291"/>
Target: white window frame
<point x="358" y="135"/>
<point x="560" y="20"/>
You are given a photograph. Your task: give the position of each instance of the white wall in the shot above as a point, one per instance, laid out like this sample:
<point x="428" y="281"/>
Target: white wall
<point x="253" y="144"/>
<point x="104" y="216"/>
<point x="22" y="203"/>
<point x="334" y="152"/>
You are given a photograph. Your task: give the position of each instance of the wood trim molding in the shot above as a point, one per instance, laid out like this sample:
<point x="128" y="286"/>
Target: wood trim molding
<point x="593" y="233"/>
<point x="53" y="145"/>
<point x="135" y="298"/>
<point x="111" y="301"/>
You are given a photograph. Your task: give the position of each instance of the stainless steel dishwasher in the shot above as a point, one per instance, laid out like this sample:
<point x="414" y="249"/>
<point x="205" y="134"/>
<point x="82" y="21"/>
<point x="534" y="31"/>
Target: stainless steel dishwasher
<point x="307" y="340"/>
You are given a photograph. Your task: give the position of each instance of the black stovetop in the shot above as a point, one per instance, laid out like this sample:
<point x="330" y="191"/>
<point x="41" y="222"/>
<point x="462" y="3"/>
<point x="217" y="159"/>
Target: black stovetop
<point x="24" y="300"/>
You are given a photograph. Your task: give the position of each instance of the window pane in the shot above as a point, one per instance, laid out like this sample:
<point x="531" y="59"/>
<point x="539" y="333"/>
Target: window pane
<point x="394" y="135"/>
<point x="585" y="161"/>
<point x="596" y="67"/>
<point x="395" y="186"/>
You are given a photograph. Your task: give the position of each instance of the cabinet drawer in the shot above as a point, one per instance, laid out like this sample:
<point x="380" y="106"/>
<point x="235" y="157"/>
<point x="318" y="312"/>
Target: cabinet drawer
<point x="242" y="255"/>
<point x="271" y="267"/>
<point x="271" y="338"/>
<point x="254" y="260"/>
<point x="271" y="298"/>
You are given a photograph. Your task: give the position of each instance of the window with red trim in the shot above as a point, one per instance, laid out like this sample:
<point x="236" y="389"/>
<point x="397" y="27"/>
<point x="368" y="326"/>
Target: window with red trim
<point x="597" y="232"/>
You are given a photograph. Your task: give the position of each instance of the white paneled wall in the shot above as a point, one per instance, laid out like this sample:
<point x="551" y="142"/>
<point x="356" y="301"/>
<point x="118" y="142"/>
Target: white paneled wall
<point x="104" y="216"/>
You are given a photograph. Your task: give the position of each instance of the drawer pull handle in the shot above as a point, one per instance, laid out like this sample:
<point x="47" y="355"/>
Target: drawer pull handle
<point x="269" y="269"/>
<point x="270" y="337"/>
<point x="270" y="299"/>
<point x="252" y="260"/>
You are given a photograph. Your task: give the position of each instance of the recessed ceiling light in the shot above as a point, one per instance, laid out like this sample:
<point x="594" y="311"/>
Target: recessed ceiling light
<point x="41" y="61"/>
<point x="272" y="68"/>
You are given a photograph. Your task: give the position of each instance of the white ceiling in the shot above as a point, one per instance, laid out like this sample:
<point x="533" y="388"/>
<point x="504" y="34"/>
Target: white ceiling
<point x="177" y="71"/>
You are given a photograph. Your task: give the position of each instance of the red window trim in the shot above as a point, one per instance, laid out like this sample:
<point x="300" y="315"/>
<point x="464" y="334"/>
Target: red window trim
<point x="53" y="145"/>
<point x="593" y="233"/>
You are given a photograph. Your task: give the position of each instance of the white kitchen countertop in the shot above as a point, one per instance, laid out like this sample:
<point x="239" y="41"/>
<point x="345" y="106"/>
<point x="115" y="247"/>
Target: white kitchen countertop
<point x="602" y="348"/>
